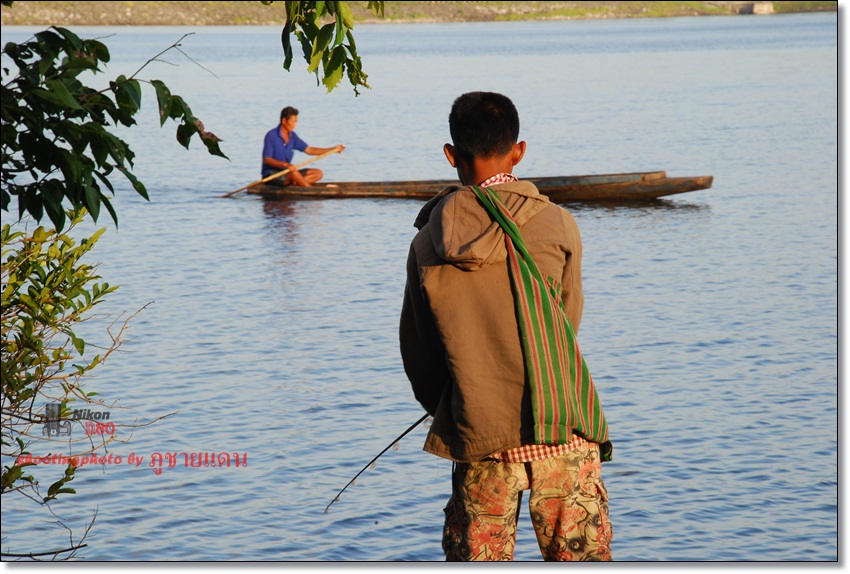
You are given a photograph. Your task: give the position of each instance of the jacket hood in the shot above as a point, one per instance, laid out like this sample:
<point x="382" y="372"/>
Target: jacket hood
<point x="463" y="232"/>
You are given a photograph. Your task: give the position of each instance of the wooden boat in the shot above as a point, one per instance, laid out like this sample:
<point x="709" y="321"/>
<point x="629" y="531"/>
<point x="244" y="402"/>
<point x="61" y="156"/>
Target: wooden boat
<point x="639" y="186"/>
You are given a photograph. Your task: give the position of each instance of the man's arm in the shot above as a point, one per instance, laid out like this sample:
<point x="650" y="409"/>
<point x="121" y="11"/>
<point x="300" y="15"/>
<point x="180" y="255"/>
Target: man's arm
<point x="276" y="163"/>
<point x="279" y="165"/>
<point x="310" y="150"/>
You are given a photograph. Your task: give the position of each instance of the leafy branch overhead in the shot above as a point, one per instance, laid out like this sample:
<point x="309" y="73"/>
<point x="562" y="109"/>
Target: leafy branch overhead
<point x="329" y="45"/>
<point x="55" y="143"/>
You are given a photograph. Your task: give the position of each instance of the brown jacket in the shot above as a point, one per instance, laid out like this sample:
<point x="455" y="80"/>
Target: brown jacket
<point x="459" y="335"/>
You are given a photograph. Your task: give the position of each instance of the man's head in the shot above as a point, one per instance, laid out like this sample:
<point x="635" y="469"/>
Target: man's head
<point x="288" y="112"/>
<point x="289" y="118"/>
<point x="485" y="128"/>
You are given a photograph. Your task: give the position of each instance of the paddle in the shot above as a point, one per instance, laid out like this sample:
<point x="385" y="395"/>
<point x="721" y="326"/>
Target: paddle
<point x="284" y="172"/>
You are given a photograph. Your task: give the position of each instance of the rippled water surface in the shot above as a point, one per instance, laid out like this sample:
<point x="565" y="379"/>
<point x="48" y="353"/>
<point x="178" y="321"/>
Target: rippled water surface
<point x="710" y="322"/>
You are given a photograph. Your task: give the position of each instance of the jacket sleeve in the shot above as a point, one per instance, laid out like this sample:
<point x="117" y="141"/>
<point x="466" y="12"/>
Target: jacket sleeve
<point x="422" y="350"/>
<point x="572" y="294"/>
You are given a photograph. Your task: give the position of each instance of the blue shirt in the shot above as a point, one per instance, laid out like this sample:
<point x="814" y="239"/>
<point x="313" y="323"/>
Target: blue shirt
<point x="275" y="147"/>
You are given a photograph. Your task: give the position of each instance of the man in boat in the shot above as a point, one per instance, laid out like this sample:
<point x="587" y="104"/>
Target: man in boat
<point x="463" y="344"/>
<point x="279" y="148"/>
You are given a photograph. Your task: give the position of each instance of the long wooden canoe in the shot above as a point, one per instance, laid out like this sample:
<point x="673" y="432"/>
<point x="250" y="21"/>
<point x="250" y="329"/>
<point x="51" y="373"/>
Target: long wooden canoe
<point x="639" y="186"/>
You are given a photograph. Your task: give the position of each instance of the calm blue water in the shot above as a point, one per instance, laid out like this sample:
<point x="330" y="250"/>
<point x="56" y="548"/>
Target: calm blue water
<point x="710" y="322"/>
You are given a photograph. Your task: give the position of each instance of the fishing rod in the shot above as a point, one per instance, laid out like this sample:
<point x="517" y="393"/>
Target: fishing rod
<point x="389" y="446"/>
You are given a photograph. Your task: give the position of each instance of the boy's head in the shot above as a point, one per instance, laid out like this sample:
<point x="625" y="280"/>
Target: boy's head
<point x="485" y="128"/>
<point x="483" y="124"/>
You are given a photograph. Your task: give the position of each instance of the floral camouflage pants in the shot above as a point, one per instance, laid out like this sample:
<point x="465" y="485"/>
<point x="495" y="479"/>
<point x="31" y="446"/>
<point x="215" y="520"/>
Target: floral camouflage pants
<point x="568" y="506"/>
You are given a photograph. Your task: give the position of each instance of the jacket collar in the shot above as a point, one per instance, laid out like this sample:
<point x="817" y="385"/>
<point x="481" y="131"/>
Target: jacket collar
<point x="521" y="188"/>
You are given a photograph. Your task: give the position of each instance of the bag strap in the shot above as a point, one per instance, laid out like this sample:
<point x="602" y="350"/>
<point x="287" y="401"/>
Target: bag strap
<point x="563" y="396"/>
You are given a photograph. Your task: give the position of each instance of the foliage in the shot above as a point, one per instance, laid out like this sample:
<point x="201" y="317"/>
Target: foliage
<point x="58" y="155"/>
<point x="632" y="9"/>
<point x="56" y="144"/>
<point x="46" y="291"/>
<point x="792" y="7"/>
<point x="330" y="45"/>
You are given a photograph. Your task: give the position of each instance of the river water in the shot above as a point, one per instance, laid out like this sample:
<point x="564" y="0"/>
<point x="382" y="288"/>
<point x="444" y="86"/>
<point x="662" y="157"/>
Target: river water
<point x="710" y="322"/>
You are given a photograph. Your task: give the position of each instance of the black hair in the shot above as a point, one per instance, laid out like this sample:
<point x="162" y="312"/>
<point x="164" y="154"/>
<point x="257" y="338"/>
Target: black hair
<point x="288" y="111"/>
<point x="483" y="124"/>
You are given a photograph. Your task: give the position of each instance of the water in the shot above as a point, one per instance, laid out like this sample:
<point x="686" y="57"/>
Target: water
<point x="710" y="320"/>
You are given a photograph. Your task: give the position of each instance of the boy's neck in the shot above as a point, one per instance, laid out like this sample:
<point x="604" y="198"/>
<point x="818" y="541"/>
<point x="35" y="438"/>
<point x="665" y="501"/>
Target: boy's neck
<point x="482" y="169"/>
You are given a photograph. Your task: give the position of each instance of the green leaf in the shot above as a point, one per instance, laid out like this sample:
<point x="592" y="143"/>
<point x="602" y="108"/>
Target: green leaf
<point x="78" y="343"/>
<point x="97" y="49"/>
<point x="111" y="209"/>
<point x="184" y="133"/>
<point x="211" y="142"/>
<point x="352" y="47"/>
<point x="46" y="96"/>
<point x="334" y="68"/>
<point x="286" y="42"/>
<point x="345" y="14"/>
<point x="339" y="34"/>
<point x="320" y="44"/>
<point x="79" y="64"/>
<point x="376" y="7"/>
<point x="69" y="36"/>
<point x="39" y="235"/>
<point x="51" y="195"/>
<point x="163" y="99"/>
<point x="58" y="89"/>
<point x="306" y="46"/>
<point x="92" y="201"/>
<point x="31" y="202"/>
<point x="12" y="475"/>
<point x="49" y="44"/>
<point x="54" y="488"/>
<point x="116" y="147"/>
<point x="129" y="95"/>
<point x="99" y="148"/>
<point x="92" y="239"/>
<point x="323" y="39"/>
<point x="137" y="185"/>
<point x="71" y="168"/>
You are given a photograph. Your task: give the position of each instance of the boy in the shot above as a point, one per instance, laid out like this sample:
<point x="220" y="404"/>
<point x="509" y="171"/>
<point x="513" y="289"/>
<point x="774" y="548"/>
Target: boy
<point x="462" y="351"/>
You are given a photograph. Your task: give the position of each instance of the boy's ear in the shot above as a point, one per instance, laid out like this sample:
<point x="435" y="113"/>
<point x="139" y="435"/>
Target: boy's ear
<point x="517" y="152"/>
<point x="449" y="150"/>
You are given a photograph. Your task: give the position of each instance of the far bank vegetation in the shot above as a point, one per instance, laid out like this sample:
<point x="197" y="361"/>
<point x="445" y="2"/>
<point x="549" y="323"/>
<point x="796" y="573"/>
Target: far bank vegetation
<point x="32" y="13"/>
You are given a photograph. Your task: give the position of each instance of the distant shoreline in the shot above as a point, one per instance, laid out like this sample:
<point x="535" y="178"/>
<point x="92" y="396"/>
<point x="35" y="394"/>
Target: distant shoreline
<point x="247" y="13"/>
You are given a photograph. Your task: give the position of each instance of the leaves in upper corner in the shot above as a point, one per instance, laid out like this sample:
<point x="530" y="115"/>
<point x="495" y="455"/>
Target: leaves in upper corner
<point x="326" y="44"/>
